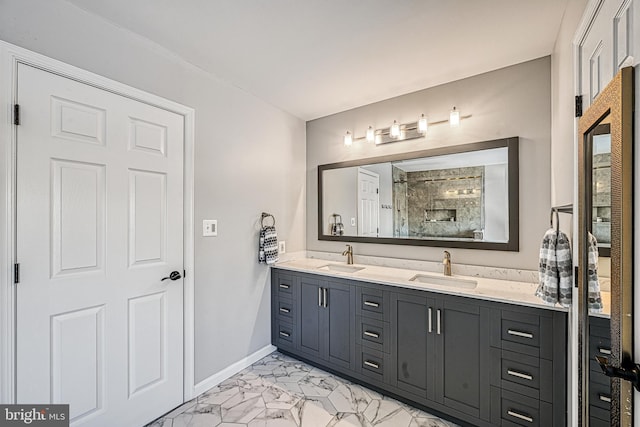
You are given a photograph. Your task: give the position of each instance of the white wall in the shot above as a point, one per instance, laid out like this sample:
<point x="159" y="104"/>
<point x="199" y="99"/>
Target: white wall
<point x="250" y="157"/>
<point x="514" y="101"/>
<point x="341" y="197"/>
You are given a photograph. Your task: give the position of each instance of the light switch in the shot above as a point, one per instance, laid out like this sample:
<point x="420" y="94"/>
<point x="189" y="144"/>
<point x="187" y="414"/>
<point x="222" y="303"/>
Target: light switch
<point x="209" y="227"/>
<point x="282" y="247"/>
<point x="353" y="222"/>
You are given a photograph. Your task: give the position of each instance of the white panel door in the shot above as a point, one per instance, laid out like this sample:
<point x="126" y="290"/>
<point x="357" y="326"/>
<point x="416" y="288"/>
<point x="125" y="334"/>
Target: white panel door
<point x="99" y="224"/>
<point x="368" y="206"/>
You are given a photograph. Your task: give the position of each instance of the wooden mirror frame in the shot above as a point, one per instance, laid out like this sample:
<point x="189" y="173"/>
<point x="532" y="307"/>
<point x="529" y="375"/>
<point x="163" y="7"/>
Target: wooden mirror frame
<point x="616" y="103"/>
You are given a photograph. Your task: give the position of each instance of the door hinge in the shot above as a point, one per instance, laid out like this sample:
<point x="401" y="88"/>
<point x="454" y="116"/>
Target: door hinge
<point x="16" y="114"/>
<point x="16" y="273"/>
<point x="578" y="105"/>
<point x="377" y="191"/>
<point x="184" y="273"/>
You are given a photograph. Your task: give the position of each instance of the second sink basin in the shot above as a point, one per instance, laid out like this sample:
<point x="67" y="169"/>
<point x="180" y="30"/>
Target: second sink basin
<point x="444" y="281"/>
<point x="342" y="268"/>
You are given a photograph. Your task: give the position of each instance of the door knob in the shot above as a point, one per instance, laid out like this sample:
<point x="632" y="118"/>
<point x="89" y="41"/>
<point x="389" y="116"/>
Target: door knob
<point x="175" y="275"/>
<point x="630" y="373"/>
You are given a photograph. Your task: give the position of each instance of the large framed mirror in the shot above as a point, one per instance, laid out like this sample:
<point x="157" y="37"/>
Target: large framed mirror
<point x="463" y="196"/>
<point x="605" y="208"/>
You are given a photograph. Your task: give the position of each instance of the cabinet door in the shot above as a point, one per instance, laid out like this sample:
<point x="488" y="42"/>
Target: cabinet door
<point x="339" y="323"/>
<point x="310" y="337"/>
<point x="462" y="356"/>
<point x="413" y="344"/>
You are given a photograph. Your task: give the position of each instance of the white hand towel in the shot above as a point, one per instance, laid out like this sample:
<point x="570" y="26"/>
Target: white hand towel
<point x="595" y="302"/>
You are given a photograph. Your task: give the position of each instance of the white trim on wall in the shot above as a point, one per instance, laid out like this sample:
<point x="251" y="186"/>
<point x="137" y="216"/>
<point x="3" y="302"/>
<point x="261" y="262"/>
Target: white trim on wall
<point x="231" y="370"/>
<point x="10" y="56"/>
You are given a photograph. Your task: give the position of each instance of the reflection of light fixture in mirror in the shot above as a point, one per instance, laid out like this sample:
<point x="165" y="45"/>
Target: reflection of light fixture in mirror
<point x="371" y="134"/>
<point x="422" y="124"/>
<point x="394" y="130"/>
<point x="348" y="139"/>
<point x="454" y="118"/>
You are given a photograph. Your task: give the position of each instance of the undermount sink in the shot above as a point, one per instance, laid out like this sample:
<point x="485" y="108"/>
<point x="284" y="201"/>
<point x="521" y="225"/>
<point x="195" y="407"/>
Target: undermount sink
<point x="444" y="281"/>
<point x="342" y="268"/>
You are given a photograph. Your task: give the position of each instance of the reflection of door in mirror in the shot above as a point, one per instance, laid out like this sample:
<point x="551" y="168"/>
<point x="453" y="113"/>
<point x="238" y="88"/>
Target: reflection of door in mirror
<point x="368" y="185"/>
<point x="605" y="227"/>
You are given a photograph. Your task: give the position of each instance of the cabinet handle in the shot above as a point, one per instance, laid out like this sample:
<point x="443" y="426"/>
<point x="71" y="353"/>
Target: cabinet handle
<point x="285" y="334"/>
<point x="324" y="297"/>
<point x="284" y="310"/>
<point x="604" y="398"/>
<point x="319" y="297"/>
<point x="371" y="304"/>
<point x="520" y="334"/>
<point x="522" y="417"/>
<point x="284" y="286"/>
<point x="371" y="364"/>
<point x="519" y="375"/>
<point x="438" y="321"/>
<point x="430" y="320"/>
<point x="604" y="350"/>
<point x="371" y="334"/>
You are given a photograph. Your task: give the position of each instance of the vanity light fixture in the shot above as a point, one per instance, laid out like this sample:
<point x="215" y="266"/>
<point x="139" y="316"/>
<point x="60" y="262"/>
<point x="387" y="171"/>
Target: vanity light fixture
<point x="404" y="131"/>
<point x="423" y="125"/>
<point x="394" y="130"/>
<point x="348" y="139"/>
<point x="371" y="134"/>
<point x="454" y="118"/>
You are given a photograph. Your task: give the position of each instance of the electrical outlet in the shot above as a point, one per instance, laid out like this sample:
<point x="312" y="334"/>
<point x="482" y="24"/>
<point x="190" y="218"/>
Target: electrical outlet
<point x="353" y="222"/>
<point x="209" y="227"/>
<point x="282" y="247"/>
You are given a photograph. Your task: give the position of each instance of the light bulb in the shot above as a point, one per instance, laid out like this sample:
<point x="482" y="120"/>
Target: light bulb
<point x="348" y="139"/>
<point x="371" y="134"/>
<point x="422" y="124"/>
<point x="394" y="130"/>
<point x="454" y="118"/>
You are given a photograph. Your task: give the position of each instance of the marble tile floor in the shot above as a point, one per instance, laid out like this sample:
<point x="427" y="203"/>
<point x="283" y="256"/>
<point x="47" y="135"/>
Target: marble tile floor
<point x="279" y="391"/>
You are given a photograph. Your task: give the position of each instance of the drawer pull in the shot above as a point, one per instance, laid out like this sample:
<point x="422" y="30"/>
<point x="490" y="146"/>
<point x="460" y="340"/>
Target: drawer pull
<point x="371" y="334"/>
<point x="519" y="375"/>
<point x="284" y="310"/>
<point x="371" y="304"/>
<point x="604" y="398"/>
<point x="604" y="350"/>
<point x="285" y="334"/>
<point x="284" y="286"/>
<point x="520" y="416"/>
<point x="371" y="364"/>
<point x="519" y="334"/>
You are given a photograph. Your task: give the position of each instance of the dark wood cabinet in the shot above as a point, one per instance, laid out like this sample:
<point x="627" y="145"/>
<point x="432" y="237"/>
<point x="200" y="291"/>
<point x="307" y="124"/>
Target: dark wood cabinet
<point x="480" y="362"/>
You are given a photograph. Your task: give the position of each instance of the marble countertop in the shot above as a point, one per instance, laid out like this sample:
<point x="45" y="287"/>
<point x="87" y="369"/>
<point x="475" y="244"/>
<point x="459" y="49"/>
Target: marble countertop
<point x="506" y="291"/>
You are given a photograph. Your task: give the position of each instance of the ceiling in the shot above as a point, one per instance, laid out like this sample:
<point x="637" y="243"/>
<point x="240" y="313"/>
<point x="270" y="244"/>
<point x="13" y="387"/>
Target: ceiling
<point x="313" y="58"/>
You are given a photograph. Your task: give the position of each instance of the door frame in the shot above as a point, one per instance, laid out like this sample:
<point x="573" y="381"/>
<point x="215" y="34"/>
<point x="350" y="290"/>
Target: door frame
<point x="10" y="57"/>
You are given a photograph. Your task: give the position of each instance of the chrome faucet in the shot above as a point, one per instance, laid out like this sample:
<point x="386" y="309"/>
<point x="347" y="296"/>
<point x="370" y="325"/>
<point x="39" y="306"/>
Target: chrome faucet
<point x="446" y="262"/>
<point x="349" y="253"/>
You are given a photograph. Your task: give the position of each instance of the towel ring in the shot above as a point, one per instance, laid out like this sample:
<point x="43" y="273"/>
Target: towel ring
<point x="267" y="215"/>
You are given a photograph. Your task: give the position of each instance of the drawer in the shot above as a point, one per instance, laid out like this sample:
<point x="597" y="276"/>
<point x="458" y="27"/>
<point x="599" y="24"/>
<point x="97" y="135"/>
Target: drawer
<point x="519" y="410"/>
<point x="285" y="334"/>
<point x="372" y="333"/>
<point x="286" y="310"/>
<point x="521" y="333"/>
<point x="519" y="373"/>
<point x="596" y="422"/>
<point x="599" y="414"/>
<point x="599" y="346"/>
<point x="284" y="286"/>
<point x="373" y="303"/>
<point x="525" y="333"/>
<point x="600" y="395"/>
<point x="371" y="363"/>
<point x="599" y="327"/>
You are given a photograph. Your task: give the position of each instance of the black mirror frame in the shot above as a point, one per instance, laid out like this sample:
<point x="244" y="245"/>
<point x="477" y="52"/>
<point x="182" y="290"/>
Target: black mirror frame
<point x="512" y="245"/>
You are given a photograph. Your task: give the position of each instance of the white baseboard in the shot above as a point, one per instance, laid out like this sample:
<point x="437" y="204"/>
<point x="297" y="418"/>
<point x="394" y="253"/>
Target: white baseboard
<point x="230" y="371"/>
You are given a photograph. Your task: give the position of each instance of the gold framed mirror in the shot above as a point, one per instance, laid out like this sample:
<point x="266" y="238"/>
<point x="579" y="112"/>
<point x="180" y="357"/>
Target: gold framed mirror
<point x="607" y="330"/>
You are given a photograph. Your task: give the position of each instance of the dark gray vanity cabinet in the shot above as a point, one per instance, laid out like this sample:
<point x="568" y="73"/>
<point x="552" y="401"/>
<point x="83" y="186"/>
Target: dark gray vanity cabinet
<point x="599" y="383"/>
<point x="480" y="362"/>
<point x="441" y="348"/>
<point x="322" y="317"/>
